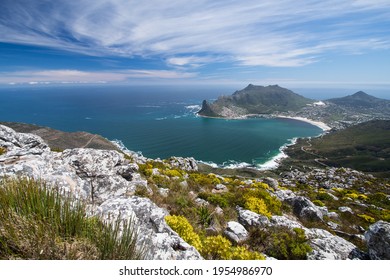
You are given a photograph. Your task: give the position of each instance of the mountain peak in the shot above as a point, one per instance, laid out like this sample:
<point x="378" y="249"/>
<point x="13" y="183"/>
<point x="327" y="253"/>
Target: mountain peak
<point x="250" y="86"/>
<point x="255" y="100"/>
<point x="360" y="99"/>
<point x="361" y="94"/>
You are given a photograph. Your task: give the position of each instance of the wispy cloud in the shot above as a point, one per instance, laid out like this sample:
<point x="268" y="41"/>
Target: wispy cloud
<point x="76" y="76"/>
<point x="194" y="33"/>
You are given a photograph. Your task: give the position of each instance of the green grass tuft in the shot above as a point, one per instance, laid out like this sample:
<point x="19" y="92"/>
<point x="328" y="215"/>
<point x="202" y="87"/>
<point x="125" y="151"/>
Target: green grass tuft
<point x="39" y="223"/>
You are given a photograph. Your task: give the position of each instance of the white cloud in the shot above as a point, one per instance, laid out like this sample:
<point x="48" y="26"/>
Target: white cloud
<point x="191" y="61"/>
<point x="192" y="33"/>
<point x="76" y="76"/>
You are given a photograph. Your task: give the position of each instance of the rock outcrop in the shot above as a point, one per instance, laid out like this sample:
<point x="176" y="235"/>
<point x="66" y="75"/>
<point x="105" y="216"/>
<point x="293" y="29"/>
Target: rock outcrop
<point x="305" y="209"/>
<point x="154" y="235"/>
<point x="188" y="164"/>
<point x="251" y="219"/>
<point x="236" y="232"/>
<point x="325" y="245"/>
<point x="102" y="178"/>
<point x="329" y="178"/>
<point x="378" y="240"/>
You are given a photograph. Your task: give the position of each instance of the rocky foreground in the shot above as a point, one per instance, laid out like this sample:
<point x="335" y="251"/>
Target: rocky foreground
<point x="126" y="185"/>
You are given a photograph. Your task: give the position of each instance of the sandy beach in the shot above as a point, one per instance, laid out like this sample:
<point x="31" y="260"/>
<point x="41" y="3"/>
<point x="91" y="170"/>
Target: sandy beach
<point x="321" y="125"/>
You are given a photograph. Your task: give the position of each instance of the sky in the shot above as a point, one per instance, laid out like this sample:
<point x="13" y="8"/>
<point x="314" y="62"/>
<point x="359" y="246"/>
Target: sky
<point x="328" y="43"/>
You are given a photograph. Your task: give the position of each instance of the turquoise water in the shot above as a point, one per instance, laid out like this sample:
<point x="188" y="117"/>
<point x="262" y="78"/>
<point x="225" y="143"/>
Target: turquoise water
<point x="156" y="121"/>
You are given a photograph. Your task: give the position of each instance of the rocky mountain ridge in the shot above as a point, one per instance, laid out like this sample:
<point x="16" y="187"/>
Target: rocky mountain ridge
<point x="116" y="184"/>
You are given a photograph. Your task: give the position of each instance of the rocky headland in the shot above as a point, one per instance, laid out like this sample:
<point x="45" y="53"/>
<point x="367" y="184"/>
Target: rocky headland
<point x="182" y="213"/>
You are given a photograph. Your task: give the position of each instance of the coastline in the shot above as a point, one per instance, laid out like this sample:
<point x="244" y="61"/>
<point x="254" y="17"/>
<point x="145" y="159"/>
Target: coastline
<point x="275" y="161"/>
<point x="270" y="164"/>
<point x="321" y="125"/>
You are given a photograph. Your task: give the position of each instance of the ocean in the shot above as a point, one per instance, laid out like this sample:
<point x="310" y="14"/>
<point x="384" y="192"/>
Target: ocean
<point x="158" y="122"/>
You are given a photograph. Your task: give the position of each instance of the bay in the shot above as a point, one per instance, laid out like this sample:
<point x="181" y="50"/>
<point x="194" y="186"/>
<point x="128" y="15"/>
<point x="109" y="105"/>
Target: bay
<point x="159" y="121"/>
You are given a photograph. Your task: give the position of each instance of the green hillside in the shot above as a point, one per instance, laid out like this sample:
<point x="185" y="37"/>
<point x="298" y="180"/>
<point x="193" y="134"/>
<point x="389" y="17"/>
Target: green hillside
<point x="255" y="100"/>
<point x="364" y="147"/>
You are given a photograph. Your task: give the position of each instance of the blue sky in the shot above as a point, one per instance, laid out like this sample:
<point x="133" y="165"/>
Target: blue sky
<point x="291" y="43"/>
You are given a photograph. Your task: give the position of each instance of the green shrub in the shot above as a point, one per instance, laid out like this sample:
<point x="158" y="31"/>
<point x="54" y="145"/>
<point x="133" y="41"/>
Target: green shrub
<point x="318" y="203"/>
<point x="216" y="199"/>
<point x="204" y="216"/>
<point x="141" y="191"/>
<point x="185" y="230"/>
<point x="323" y="196"/>
<point x="280" y="242"/>
<point x="158" y="164"/>
<point x="379" y="199"/>
<point x="145" y="169"/>
<point x="39" y="223"/>
<point x="56" y="149"/>
<point x="384" y="215"/>
<point x="182" y="201"/>
<point x="2" y="151"/>
<point x="160" y="181"/>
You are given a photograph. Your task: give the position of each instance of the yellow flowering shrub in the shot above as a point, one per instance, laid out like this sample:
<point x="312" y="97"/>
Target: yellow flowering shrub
<point x="257" y="205"/>
<point x="385" y="215"/>
<point x="242" y="253"/>
<point x="184" y="229"/>
<point x="352" y="196"/>
<point x="355" y="196"/>
<point x="146" y="169"/>
<point x="260" y="185"/>
<point x="363" y="197"/>
<point x="273" y="205"/>
<point x="367" y="218"/>
<point x="318" y="203"/>
<point x="214" y="179"/>
<point x="227" y="180"/>
<point x="172" y="173"/>
<point x="218" y="247"/>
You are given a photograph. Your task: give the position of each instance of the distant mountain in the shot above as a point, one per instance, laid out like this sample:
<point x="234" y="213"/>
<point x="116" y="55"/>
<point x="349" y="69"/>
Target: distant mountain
<point x="255" y="100"/>
<point x="360" y="100"/>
